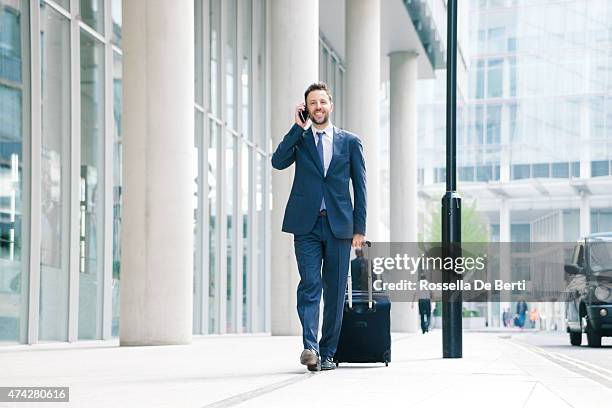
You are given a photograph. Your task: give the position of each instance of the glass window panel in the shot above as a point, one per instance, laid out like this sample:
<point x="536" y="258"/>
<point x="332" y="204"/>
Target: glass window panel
<point x="199" y="53"/>
<point x="512" y="44"/>
<point x="13" y="283"/>
<point x="513" y="76"/>
<point x="215" y="57"/>
<point x="260" y="106"/>
<point x="476" y="125"/>
<point x="197" y="225"/>
<point x="420" y="176"/>
<point x="213" y="231"/>
<point x="260" y="177"/>
<point x="322" y="63"/>
<point x="495" y="78"/>
<point x="597" y="117"/>
<point x="478" y="80"/>
<point x="514" y="124"/>
<point x="246" y="68"/>
<point x="229" y="211"/>
<point x="440" y="175"/>
<point x="116" y="20"/>
<point x="575" y="169"/>
<point x="55" y="175"/>
<point x="231" y="69"/>
<point x="331" y="76"/>
<point x="520" y="233"/>
<point x="91" y="188"/>
<point x="541" y="170"/>
<point x="92" y="13"/>
<point x="600" y="168"/>
<point x="608" y="106"/>
<point x="117" y="186"/>
<point x="560" y="170"/>
<point x="493" y="124"/>
<point x="10" y="41"/>
<point x="601" y="220"/>
<point x="484" y="173"/>
<point x="496" y="39"/>
<point x="521" y="171"/>
<point x="466" y="173"/>
<point x="571" y="225"/>
<point x="64" y="3"/>
<point x="245" y="163"/>
<point x="494" y="232"/>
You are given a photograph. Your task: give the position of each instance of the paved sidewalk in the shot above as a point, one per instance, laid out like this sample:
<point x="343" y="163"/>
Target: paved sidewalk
<point x="263" y="371"/>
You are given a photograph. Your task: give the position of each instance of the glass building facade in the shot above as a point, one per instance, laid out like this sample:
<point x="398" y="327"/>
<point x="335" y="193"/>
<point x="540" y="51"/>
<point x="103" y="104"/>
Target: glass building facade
<point x="534" y="118"/>
<point x="14" y="131"/>
<point x="232" y="199"/>
<point x="332" y="72"/>
<point x="61" y="169"/>
<point x="534" y="125"/>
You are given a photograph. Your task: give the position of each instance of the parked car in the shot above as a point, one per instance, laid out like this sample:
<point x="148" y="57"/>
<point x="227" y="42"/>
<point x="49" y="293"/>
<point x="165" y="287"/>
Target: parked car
<point x="589" y="294"/>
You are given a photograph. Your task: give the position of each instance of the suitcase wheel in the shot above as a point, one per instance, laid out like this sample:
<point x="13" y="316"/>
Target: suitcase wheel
<point x="386" y="363"/>
<point x="337" y="364"/>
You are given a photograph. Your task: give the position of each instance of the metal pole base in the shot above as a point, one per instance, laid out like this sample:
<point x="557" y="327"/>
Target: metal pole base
<point x="451" y="300"/>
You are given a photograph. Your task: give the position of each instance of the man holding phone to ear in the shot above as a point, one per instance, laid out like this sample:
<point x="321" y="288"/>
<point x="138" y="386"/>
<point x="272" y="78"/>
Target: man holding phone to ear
<point x="322" y="218"/>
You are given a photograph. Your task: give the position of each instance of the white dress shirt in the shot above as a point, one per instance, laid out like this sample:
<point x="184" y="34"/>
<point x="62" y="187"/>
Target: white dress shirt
<point x="328" y="144"/>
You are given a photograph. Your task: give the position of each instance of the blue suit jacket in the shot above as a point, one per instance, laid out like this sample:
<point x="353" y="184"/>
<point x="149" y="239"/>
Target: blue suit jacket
<point x="310" y="185"/>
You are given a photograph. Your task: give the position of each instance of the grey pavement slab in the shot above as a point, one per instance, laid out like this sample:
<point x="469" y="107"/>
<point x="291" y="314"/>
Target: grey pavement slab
<point x="264" y="371"/>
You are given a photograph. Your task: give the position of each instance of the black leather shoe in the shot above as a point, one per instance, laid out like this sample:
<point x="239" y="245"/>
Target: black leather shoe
<point x="310" y="358"/>
<point x="328" y="364"/>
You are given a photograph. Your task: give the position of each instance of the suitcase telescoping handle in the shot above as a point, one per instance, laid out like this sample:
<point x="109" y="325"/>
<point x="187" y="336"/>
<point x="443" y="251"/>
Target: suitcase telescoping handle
<point x="350" y="288"/>
<point x="369" y="267"/>
<point x="350" y="282"/>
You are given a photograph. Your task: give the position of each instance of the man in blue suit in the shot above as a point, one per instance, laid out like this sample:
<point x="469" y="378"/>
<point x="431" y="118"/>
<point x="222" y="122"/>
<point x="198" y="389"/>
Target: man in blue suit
<point x="322" y="219"/>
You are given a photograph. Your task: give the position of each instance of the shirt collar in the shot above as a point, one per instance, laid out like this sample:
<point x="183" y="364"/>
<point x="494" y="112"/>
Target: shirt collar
<point x="329" y="131"/>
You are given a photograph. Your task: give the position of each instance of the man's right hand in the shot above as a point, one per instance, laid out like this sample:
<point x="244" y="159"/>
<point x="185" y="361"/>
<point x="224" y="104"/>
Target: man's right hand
<point x="298" y="119"/>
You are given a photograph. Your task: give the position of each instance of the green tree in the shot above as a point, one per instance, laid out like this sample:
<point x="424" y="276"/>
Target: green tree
<point x="474" y="228"/>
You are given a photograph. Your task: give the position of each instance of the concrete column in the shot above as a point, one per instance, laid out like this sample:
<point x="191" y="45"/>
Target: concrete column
<point x="157" y="226"/>
<point x="585" y="214"/>
<point x="585" y="140"/>
<point x="294" y="65"/>
<point x="362" y="95"/>
<point x="504" y="220"/>
<point x="505" y="272"/>
<point x="403" y="166"/>
<point x="504" y="161"/>
<point x="585" y="167"/>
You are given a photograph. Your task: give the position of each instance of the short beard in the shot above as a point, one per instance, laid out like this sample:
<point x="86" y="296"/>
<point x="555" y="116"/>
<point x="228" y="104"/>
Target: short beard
<point x="322" y="122"/>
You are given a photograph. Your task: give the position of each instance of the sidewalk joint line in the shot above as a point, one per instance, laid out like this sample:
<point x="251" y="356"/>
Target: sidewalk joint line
<point x="579" y="369"/>
<point x="515" y="344"/>
<point x="535" y="384"/>
<point x="249" y="395"/>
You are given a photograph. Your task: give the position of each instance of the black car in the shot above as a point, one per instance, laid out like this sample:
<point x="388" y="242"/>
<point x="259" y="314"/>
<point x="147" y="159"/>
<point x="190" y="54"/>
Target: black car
<point x="589" y="295"/>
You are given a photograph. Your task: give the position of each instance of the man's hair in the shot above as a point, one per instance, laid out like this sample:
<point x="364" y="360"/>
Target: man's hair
<point x="318" y="86"/>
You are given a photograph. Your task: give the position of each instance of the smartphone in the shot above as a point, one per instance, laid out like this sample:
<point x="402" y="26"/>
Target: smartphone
<point x="304" y="115"/>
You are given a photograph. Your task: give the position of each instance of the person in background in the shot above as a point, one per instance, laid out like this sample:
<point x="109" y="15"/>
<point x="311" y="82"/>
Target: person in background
<point x="424" y="299"/>
<point x="359" y="272"/>
<point x="521" y="314"/>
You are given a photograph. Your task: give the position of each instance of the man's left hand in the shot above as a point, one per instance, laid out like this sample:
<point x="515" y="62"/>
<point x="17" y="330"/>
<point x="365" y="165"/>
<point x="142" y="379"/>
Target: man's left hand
<point x="358" y="241"/>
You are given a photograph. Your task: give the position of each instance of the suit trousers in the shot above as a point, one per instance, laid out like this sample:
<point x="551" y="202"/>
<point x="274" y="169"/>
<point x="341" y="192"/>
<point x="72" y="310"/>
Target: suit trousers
<point x="425" y="312"/>
<point x="321" y="246"/>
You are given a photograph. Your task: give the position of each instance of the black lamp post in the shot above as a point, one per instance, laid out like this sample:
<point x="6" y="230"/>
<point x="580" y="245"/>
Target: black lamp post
<point x="451" y="202"/>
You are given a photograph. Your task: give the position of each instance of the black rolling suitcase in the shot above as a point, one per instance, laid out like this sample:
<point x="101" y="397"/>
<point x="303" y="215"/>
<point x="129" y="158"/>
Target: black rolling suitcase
<point x="365" y="336"/>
